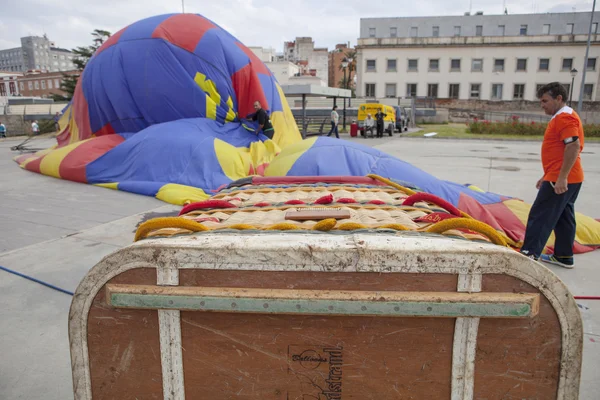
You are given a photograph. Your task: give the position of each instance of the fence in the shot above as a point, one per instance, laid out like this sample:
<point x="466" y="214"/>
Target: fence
<point x="466" y="115"/>
<point x="34" y="109"/>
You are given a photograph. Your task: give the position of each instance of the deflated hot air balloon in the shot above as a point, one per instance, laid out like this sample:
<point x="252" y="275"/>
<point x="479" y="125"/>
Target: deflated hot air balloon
<point x="160" y="110"/>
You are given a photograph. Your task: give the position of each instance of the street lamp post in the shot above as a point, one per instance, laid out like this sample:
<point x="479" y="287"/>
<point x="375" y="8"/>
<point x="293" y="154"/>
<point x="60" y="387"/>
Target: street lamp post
<point x="344" y="66"/>
<point x="348" y="86"/>
<point x="573" y="75"/>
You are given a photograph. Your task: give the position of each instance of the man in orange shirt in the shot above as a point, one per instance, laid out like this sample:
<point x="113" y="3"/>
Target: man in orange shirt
<point x="554" y="207"/>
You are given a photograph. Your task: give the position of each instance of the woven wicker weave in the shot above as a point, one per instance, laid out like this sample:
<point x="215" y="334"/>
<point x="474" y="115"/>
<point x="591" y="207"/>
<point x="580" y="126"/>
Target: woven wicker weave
<point x="264" y="208"/>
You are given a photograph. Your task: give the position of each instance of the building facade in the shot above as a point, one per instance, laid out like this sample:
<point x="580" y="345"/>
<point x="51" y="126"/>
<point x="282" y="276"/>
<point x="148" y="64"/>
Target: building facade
<point x="312" y="60"/>
<point x="496" y="57"/>
<point x="265" y="55"/>
<point x="283" y="71"/>
<point x="336" y="72"/>
<point x="9" y="85"/>
<point x="42" y="84"/>
<point x="36" y="53"/>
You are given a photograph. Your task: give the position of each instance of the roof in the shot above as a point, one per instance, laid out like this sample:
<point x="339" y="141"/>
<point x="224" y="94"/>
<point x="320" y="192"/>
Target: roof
<point x="315" y="90"/>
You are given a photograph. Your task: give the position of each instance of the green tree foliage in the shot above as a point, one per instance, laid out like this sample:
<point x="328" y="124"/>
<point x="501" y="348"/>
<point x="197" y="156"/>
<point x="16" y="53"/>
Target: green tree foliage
<point x="82" y="56"/>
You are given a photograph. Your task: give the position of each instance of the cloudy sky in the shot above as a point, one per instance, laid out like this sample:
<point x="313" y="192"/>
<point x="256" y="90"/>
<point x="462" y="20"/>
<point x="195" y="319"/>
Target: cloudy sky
<point x="265" y="23"/>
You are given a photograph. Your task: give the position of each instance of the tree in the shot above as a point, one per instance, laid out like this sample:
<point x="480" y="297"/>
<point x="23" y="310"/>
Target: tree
<point x="350" y="53"/>
<point x="82" y="56"/>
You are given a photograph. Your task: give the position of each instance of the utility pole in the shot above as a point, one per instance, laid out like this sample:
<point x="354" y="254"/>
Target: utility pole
<point x="182" y="6"/>
<point x="585" y="61"/>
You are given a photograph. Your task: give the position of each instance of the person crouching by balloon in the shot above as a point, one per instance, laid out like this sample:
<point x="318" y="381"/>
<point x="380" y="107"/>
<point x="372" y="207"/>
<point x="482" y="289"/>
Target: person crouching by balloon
<point x="264" y="122"/>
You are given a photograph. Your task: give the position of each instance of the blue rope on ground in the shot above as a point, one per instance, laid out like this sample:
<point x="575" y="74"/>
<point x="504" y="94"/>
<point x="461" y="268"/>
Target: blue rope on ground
<point x="36" y="280"/>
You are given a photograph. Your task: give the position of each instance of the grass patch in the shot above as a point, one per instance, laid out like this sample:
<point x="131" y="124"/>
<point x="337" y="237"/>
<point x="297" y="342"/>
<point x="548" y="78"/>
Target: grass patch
<point x="459" y="131"/>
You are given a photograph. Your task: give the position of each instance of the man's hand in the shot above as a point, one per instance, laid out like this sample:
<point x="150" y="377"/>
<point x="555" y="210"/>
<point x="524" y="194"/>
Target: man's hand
<point x="561" y="186"/>
<point x="538" y="185"/>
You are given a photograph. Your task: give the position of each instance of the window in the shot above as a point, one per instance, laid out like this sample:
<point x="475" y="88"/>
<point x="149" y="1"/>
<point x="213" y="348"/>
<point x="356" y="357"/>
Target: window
<point x="477" y="65"/>
<point x="546" y="29"/>
<point x="544" y="64"/>
<point x="570" y="28"/>
<point x="436" y="31"/>
<point x="21" y="86"/>
<point x="455" y="64"/>
<point x="371" y="65"/>
<point x="453" y="90"/>
<point x="36" y="85"/>
<point x="49" y="83"/>
<point x="57" y="84"/>
<point x="43" y="84"/>
<point x="595" y="28"/>
<point x="479" y="30"/>
<point x="432" y="90"/>
<point x="370" y="90"/>
<point x="588" y="90"/>
<point x="519" y="91"/>
<point x="523" y="30"/>
<point x="414" y="31"/>
<point x="457" y="31"/>
<point x="411" y="90"/>
<point x="591" y="64"/>
<point x="372" y="32"/>
<point x="434" y="64"/>
<point x="499" y="65"/>
<point x="30" y="85"/>
<point x="393" y="31"/>
<point x="413" y="65"/>
<point x="475" y="91"/>
<point x="390" y="90"/>
<point x="497" y="91"/>
<point x="521" y="64"/>
<point x="391" y="65"/>
<point x="567" y="64"/>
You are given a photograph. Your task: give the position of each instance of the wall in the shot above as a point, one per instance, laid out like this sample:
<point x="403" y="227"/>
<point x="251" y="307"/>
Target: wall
<point x="319" y="60"/>
<point x="264" y="55"/>
<point x="15" y="125"/>
<point x="531" y="77"/>
<point x="50" y="79"/>
<point x="283" y="71"/>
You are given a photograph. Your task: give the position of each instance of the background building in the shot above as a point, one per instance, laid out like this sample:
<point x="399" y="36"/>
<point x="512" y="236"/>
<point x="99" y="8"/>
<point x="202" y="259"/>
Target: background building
<point x="312" y="60"/>
<point x="265" y="55"/>
<point x="9" y="85"/>
<point x="36" y="53"/>
<point x="336" y="72"/>
<point x="496" y="57"/>
<point x="283" y="71"/>
<point x="42" y="84"/>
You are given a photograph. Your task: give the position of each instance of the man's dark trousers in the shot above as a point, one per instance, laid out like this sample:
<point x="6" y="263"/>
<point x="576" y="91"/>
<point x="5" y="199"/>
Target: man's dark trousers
<point x="551" y="211"/>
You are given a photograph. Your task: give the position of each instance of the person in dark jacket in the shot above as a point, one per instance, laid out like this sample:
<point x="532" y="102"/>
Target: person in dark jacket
<point x="264" y="122"/>
<point x="379" y="118"/>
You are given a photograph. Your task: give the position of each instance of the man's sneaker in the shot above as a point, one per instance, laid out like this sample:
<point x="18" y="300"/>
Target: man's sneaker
<point x="532" y="256"/>
<point x="566" y="262"/>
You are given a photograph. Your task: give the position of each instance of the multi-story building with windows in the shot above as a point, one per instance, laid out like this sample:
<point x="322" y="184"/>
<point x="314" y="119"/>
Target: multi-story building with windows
<point x="312" y="60"/>
<point x="36" y="53"/>
<point x="484" y="57"/>
<point x="38" y="84"/>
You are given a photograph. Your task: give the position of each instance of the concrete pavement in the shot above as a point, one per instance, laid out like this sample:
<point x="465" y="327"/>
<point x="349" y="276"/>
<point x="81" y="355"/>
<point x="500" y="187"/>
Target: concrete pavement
<point x="57" y="230"/>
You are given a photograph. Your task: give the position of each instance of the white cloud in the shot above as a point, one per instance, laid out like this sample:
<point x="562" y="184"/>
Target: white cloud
<point x="265" y="23"/>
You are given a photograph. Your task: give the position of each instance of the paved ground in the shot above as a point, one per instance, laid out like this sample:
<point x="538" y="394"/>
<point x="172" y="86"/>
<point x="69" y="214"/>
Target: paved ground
<point x="57" y="230"/>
